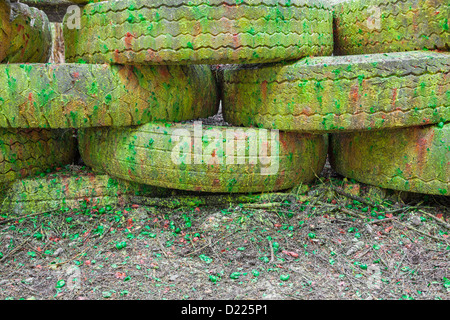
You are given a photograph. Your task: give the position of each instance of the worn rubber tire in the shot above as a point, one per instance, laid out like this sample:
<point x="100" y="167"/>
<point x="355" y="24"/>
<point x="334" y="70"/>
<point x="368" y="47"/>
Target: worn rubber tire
<point x="31" y="38"/>
<point x="70" y="187"/>
<point x="413" y="159"/>
<point x="28" y="151"/>
<point x="144" y="154"/>
<point x="83" y="95"/>
<point x="376" y="26"/>
<point x="329" y="94"/>
<point x="200" y="31"/>
<point x="5" y="28"/>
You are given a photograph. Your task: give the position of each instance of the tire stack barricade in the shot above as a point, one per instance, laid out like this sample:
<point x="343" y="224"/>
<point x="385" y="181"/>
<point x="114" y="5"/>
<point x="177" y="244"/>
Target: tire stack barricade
<point x="25" y="150"/>
<point x="413" y="155"/>
<point x="178" y="34"/>
<point x="383" y="96"/>
<point x="140" y="77"/>
<point x="135" y="76"/>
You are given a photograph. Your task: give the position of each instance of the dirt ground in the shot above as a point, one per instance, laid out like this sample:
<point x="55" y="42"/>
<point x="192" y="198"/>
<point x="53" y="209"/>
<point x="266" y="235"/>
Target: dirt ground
<point x="335" y="239"/>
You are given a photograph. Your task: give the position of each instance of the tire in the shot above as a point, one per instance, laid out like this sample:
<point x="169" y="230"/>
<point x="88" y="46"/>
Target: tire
<point x="27" y="152"/>
<point x="330" y="94"/>
<point x="57" y="2"/>
<point x="83" y="95"/>
<point x="70" y="187"/>
<point x="199" y="31"/>
<point x="5" y="28"/>
<point x="376" y="26"/>
<point x="31" y="37"/>
<point x="414" y="159"/>
<point x="159" y="155"/>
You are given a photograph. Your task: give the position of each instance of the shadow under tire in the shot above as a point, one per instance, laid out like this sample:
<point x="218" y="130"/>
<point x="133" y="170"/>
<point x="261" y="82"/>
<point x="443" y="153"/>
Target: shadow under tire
<point x="197" y="158"/>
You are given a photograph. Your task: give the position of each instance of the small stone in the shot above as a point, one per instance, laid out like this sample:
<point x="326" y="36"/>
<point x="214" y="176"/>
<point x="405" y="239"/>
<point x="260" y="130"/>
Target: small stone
<point x="416" y="221"/>
<point x="357" y="246"/>
<point x="173" y="277"/>
<point x="58" y="252"/>
<point x="139" y="213"/>
<point x="29" y="280"/>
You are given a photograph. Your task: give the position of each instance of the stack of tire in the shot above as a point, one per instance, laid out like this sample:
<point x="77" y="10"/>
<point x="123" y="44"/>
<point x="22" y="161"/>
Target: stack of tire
<point x="26" y="147"/>
<point x="142" y="75"/>
<point x="384" y="95"/>
<point x="137" y="77"/>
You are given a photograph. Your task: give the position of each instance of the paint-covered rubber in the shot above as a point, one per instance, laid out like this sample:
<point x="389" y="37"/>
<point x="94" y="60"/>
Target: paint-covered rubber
<point x="202" y="158"/>
<point x="31" y="38"/>
<point x="199" y="31"/>
<point x="377" y="26"/>
<point x="5" y="28"/>
<point x="70" y="187"/>
<point x="341" y="93"/>
<point x="84" y="95"/>
<point x="413" y="159"/>
<point x="24" y="152"/>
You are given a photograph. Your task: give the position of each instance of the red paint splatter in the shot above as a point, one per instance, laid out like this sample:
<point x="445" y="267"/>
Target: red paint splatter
<point x="307" y="111"/>
<point x="129" y="223"/>
<point x="291" y="253"/>
<point x="283" y="142"/>
<point x="354" y="96"/>
<point x="116" y="55"/>
<point x="163" y="71"/>
<point x="421" y="150"/>
<point x="236" y="41"/>
<point x="127" y="40"/>
<point x="264" y="89"/>
<point x="394" y="97"/>
<point x="216" y="183"/>
<point x="408" y="168"/>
